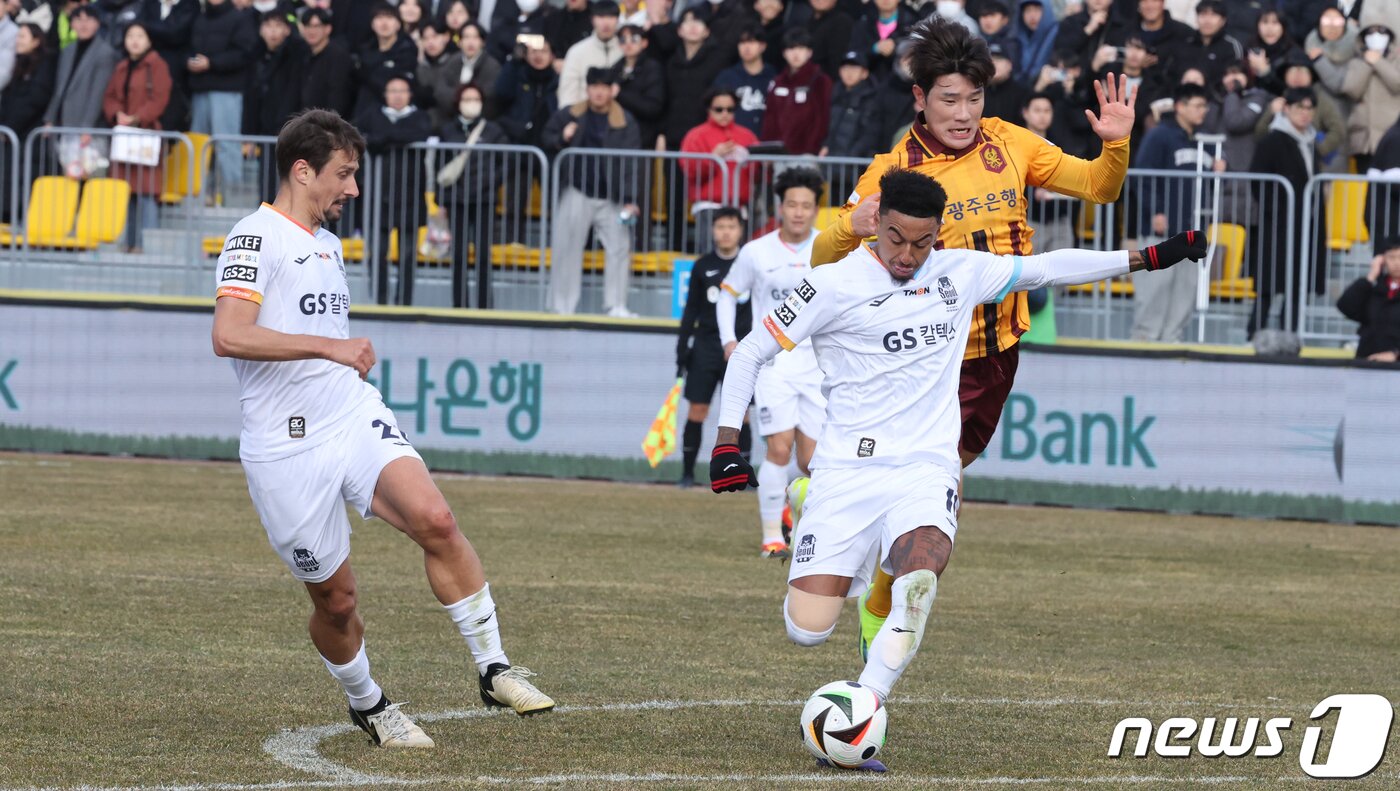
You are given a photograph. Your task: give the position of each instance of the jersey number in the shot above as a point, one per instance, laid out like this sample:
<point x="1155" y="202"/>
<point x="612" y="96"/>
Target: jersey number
<point x="389" y="431"/>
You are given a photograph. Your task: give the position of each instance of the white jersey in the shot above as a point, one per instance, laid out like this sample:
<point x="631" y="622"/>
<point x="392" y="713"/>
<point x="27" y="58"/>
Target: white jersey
<point x="769" y="269"/>
<point x="299" y="280"/>
<point x="892" y="352"/>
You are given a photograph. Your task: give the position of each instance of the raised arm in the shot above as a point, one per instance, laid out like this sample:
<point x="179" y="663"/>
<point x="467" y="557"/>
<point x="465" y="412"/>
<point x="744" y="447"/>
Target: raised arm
<point x="1075" y="267"/>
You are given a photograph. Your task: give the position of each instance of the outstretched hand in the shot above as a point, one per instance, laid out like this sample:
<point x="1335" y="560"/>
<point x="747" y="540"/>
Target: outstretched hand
<point x="1190" y="244"/>
<point x="1117" y="108"/>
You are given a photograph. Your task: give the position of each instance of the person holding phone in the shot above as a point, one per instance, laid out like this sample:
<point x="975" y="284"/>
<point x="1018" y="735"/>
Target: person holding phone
<point x="1374" y="302"/>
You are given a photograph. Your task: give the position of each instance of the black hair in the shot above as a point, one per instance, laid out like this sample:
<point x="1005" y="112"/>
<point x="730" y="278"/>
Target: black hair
<point x="1216" y="6"/>
<point x="438" y="26"/>
<point x="727" y="213"/>
<point x="751" y="31"/>
<point x="480" y="31"/>
<point x="797" y="37"/>
<point x="322" y="15"/>
<point x="635" y="30"/>
<point x="717" y="92"/>
<point x="1293" y="96"/>
<point x="605" y="8"/>
<point x="1186" y="91"/>
<point x="1387" y="244"/>
<point x="911" y="193"/>
<point x="942" y="47"/>
<point x="380" y="9"/>
<point x="1037" y="95"/>
<point x="315" y="135"/>
<point x="802" y="176"/>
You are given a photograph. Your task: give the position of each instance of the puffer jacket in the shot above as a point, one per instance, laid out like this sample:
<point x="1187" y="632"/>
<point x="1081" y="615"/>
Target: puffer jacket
<point x="1376" y="90"/>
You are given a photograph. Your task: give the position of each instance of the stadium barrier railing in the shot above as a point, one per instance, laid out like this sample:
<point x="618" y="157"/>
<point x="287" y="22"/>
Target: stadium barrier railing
<point x="91" y="223"/>
<point x="672" y="194"/>
<point x="447" y="224"/>
<point x="1254" y="228"/>
<point x="1349" y="217"/>
<point x="10" y="210"/>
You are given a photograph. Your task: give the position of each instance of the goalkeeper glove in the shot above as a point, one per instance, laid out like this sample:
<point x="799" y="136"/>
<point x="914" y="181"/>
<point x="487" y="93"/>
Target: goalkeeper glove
<point x="729" y="471"/>
<point x="1191" y="244"/>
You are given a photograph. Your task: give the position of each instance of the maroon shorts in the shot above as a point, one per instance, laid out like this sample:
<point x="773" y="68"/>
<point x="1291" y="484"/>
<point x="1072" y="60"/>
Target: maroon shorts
<point x="982" y="391"/>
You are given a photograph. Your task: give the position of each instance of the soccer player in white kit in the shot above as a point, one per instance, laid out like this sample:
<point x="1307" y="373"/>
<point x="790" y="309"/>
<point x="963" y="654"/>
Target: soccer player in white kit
<point x="316" y="435"/>
<point x="789" y="391"/>
<point x="889" y="324"/>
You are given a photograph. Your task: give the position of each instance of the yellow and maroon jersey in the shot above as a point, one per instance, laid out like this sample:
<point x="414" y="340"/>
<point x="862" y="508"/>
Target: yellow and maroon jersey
<point x="986" y="185"/>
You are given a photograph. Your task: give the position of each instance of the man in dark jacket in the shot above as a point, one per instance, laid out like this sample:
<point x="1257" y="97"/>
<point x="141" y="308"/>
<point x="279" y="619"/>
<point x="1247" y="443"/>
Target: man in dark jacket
<point x="439" y="72"/>
<point x="169" y="26"/>
<point x="84" y="67"/>
<point x="1167" y="206"/>
<point x="1374" y="302"/>
<point x="749" y="79"/>
<point x="329" y="68"/>
<point x="854" y="130"/>
<point x="391" y="54"/>
<point x="273" y="94"/>
<point x="641" y="83"/>
<point x="1288" y="150"/>
<point x="831" y="34"/>
<point x="526" y="93"/>
<point x="689" y="73"/>
<point x="1087" y="31"/>
<point x="503" y="41"/>
<point x="400" y="180"/>
<point x="1165" y="36"/>
<point x="597" y="193"/>
<point x="224" y="41"/>
<point x="1210" y="48"/>
<point x="894" y="100"/>
<point x="570" y="25"/>
<point x="1004" y="97"/>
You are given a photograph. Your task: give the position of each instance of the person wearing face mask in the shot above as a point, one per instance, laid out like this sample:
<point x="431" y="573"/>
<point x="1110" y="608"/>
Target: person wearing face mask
<point x="477" y="65"/>
<point x="1373" y="82"/>
<point x="466" y="185"/>
<point x="388" y="129"/>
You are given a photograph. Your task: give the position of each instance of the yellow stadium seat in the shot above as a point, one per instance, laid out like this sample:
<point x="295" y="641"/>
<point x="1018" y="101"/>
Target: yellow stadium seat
<point x="53" y="204"/>
<point x="1232" y="284"/>
<point x="1116" y="287"/>
<point x="178" y="169"/>
<point x="658" y="191"/>
<point x="1346" y="215"/>
<point x="101" y="215"/>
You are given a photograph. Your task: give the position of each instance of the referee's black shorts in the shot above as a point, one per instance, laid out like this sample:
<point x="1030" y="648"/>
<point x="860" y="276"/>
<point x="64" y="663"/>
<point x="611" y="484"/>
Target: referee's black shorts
<point x="705" y="370"/>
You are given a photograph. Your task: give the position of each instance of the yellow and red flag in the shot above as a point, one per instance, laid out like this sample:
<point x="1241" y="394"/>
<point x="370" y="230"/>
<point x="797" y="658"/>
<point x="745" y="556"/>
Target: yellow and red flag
<point x="661" y="438"/>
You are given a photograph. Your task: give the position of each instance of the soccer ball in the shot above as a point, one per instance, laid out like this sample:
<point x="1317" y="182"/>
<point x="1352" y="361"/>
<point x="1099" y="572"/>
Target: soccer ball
<point x="844" y="723"/>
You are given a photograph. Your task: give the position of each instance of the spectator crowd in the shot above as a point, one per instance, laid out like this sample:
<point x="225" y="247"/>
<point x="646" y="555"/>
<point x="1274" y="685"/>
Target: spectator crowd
<point x="818" y="77"/>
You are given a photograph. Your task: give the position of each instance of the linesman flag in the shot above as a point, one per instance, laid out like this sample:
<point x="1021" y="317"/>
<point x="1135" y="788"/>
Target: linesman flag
<point x="661" y="439"/>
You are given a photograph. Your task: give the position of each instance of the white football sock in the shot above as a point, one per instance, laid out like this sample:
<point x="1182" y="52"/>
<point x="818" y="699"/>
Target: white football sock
<point x="476" y="619"/>
<point x="354" y="678"/>
<point x="911" y="599"/>
<point x="772" y="491"/>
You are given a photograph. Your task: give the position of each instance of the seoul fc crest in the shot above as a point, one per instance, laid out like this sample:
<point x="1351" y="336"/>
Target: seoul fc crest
<point x="992" y="159"/>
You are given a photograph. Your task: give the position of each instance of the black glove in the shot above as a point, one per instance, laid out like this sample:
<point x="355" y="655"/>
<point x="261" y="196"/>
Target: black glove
<point x="730" y="472"/>
<point x="682" y="361"/>
<point x="1191" y="244"/>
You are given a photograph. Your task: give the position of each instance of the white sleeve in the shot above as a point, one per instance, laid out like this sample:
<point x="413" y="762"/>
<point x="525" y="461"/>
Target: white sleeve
<point x="738" y="281"/>
<point x="1008" y="273"/>
<point x="246" y="264"/>
<point x="741" y="374"/>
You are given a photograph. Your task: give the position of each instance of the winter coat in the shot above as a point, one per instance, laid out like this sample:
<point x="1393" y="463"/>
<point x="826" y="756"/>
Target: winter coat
<point x="642" y="92"/>
<point x="228" y="37"/>
<point x="485" y="70"/>
<point x="1376" y="90"/>
<point x="1328" y="120"/>
<point x="526" y="98"/>
<point x="500" y="42"/>
<point x="327" y="80"/>
<point x="894" y="110"/>
<point x="1170" y="42"/>
<point x="171" y="38"/>
<point x="590" y="53"/>
<point x="614" y="178"/>
<point x="402" y="176"/>
<point x="437" y="85"/>
<point x="9" y="31"/>
<point x="1070" y="36"/>
<point x="867" y="34"/>
<point x="1005" y="101"/>
<point x="1288" y="153"/>
<point x="1379" y="315"/>
<point x="564" y="28"/>
<point x="485" y="172"/>
<point x="23" y="101"/>
<point x="703" y="179"/>
<point x="799" y="109"/>
<point x="141" y="89"/>
<point x="687" y="79"/>
<point x="854" y="129"/>
<point x="376" y="67"/>
<point x="1211" y="58"/>
<point x="831" y="37"/>
<point x="1036" y="46"/>
<point x="274" y="92"/>
<point x="78" y="90"/>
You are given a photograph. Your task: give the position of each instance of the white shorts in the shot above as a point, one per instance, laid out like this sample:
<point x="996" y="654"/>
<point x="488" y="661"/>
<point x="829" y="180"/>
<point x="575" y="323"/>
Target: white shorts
<point x="301" y="499"/>
<point x="853" y="516"/>
<point x="788" y="402"/>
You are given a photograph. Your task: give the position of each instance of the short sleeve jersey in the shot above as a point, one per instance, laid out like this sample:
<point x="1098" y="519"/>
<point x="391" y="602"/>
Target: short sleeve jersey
<point x="298" y="279"/>
<point x="891" y="352"/>
<point x="769" y="269"/>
